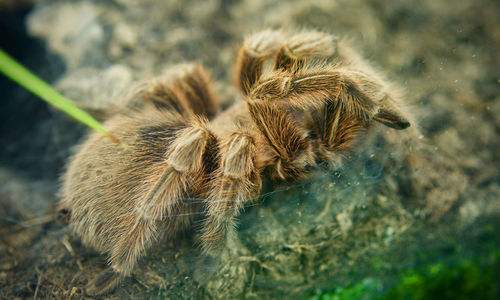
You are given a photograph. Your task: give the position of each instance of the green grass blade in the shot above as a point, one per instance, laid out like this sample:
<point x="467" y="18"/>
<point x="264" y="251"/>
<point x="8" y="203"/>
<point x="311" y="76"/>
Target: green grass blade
<point x="15" y="71"/>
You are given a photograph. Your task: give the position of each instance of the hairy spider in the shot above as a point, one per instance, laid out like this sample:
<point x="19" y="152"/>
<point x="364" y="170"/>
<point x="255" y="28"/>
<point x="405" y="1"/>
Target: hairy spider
<point x="307" y="96"/>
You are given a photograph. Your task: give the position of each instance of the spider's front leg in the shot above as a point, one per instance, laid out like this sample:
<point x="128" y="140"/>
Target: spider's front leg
<point x="340" y="103"/>
<point x="284" y="53"/>
<point x="313" y="88"/>
<point x="299" y="47"/>
<point x="256" y="49"/>
<point x="351" y="79"/>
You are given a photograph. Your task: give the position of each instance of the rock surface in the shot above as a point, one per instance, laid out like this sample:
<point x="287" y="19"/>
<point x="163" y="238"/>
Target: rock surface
<point x="401" y="200"/>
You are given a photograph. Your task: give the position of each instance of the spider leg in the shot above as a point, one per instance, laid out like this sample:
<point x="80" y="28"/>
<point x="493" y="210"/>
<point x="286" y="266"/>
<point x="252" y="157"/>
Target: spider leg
<point x="256" y="49"/>
<point x="365" y="92"/>
<point x="160" y="197"/>
<point x="313" y="88"/>
<point x="355" y="78"/>
<point x="186" y="160"/>
<point x="134" y="237"/>
<point x="290" y="150"/>
<point x="337" y="131"/>
<point x="340" y="102"/>
<point x="236" y="182"/>
<point x="184" y="88"/>
<point x="104" y="282"/>
<point x="321" y="46"/>
<point x="243" y="156"/>
<point x="310" y="44"/>
<point x="288" y="54"/>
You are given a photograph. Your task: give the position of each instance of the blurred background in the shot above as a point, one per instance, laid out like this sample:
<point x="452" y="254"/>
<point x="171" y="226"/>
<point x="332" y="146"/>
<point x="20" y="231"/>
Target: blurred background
<point x="411" y="215"/>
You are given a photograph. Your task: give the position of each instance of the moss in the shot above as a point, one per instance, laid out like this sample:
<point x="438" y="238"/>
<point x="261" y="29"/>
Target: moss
<point x="468" y="279"/>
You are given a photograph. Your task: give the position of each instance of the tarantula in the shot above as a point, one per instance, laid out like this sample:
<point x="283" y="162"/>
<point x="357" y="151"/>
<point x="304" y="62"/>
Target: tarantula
<point x="307" y="96"/>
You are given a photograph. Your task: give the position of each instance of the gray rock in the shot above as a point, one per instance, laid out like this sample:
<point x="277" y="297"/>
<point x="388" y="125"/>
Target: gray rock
<point x="72" y="30"/>
<point x="96" y="89"/>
